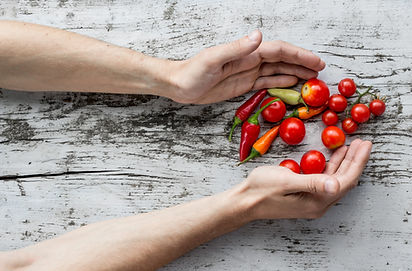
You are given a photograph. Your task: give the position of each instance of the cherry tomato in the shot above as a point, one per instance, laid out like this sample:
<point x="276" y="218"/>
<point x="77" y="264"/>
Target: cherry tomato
<point x="337" y="103"/>
<point x="292" y="131"/>
<point x="274" y="112"/>
<point x="315" y="92"/>
<point x="360" y="113"/>
<point x="313" y="162"/>
<point x="347" y="87"/>
<point x="377" y="107"/>
<point x="349" y="125"/>
<point x="290" y="164"/>
<point x="333" y="137"/>
<point x="329" y="118"/>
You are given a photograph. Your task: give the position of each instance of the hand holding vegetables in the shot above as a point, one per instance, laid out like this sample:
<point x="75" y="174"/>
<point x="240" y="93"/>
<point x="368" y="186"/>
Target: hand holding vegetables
<point x="276" y="192"/>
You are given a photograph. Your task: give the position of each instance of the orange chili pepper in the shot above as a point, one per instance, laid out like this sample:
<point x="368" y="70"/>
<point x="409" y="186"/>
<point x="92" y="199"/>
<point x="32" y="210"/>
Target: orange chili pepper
<point x="262" y="145"/>
<point x="306" y="113"/>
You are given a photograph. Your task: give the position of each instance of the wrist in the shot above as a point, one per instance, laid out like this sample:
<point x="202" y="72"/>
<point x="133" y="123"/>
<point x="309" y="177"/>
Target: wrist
<point x="153" y="76"/>
<point x="243" y="202"/>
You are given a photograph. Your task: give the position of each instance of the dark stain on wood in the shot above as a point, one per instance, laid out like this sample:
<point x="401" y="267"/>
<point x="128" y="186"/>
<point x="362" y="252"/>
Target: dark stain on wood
<point x="17" y="130"/>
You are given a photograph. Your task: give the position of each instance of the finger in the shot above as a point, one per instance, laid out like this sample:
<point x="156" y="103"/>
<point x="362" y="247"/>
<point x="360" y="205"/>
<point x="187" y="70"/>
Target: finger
<point x="350" y="154"/>
<point x="286" y="68"/>
<point x="312" y="183"/>
<point x="232" y="86"/>
<point x="275" y="51"/>
<point x="275" y="81"/>
<point x="335" y="160"/>
<point x="219" y="55"/>
<point x="359" y="161"/>
<point x="242" y="64"/>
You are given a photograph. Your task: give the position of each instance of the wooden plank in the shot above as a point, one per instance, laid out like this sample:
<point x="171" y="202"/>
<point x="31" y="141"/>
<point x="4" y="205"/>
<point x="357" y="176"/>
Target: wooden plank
<point x="69" y="159"/>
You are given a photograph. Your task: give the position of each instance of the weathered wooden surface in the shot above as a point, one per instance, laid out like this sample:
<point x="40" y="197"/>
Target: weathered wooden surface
<point x="73" y="159"/>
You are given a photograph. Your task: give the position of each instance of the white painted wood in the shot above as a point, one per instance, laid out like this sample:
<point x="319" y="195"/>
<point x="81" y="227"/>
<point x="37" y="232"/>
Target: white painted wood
<point x="72" y="159"/>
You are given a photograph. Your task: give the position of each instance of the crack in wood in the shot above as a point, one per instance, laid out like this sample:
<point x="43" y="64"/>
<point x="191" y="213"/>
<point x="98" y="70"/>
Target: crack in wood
<point x="18" y="177"/>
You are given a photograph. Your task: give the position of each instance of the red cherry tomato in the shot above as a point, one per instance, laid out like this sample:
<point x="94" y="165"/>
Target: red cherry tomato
<point x="347" y="87"/>
<point x="360" y="113"/>
<point x="274" y="112"/>
<point x="313" y="162"/>
<point x="377" y="107"/>
<point x="330" y="118"/>
<point x="333" y="137"/>
<point x="337" y="103"/>
<point x="292" y="131"/>
<point x="349" y="125"/>
<point x="315" y="92"/>
<point x="290" y="164"/>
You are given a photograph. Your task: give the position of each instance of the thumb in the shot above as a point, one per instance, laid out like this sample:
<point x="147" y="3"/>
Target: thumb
<point x="314" y="184"/>
<point x="224" y="53"/>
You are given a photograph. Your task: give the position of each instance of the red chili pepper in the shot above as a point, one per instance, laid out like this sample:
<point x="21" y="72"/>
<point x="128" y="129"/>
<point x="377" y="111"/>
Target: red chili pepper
<point x="261" y="146"/>
<point x="246" y="109"/>
<point x="250" y="132"/>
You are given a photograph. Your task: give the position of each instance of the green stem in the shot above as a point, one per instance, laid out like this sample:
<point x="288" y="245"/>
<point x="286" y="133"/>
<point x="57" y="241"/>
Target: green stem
<point x="254" y="119"/>
<point x="236" y="122"/>
<point x="362" y="94"/>
<point x="254" y="153"/>
<point x="358" y="99"/>
<point x="303" y="102"/>
<point x="294" y="114"/>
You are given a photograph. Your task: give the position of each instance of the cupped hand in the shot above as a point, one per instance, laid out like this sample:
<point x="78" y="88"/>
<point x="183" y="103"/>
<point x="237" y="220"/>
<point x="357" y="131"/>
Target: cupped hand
<point x="276" y="192"/>
<point x="229" y="70"/>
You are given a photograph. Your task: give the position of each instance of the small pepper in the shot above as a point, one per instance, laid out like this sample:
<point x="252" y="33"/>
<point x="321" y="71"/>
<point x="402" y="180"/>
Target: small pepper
<point x="288" y="96"/>
<point x="306" y="113"/>
<point x="246" y="109"/>
<point x="250" y="132"/>
<point x="262" y="145"/>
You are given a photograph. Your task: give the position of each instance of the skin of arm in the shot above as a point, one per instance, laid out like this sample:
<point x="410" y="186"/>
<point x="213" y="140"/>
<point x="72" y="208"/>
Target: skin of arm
<point x="148" y="241"/>
<point x="35" y="57"/>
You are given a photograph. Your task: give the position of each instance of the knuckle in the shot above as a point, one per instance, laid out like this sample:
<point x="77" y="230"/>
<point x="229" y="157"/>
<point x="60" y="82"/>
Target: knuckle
<point x="280" y="45"/>
<point x="311" y="185"/>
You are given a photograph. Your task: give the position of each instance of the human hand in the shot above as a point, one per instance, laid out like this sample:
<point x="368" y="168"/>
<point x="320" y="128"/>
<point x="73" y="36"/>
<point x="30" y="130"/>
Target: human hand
<point x="229" y="70"/>
<point x="272" y="192"/>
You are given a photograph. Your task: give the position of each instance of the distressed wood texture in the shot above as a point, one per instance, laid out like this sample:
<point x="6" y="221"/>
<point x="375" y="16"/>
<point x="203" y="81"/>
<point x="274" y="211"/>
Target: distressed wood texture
<point x="72" y="159"/>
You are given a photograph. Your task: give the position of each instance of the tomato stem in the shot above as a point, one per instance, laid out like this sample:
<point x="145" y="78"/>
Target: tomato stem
<point x="363" y="94"/>
<point x="359" y="98"/>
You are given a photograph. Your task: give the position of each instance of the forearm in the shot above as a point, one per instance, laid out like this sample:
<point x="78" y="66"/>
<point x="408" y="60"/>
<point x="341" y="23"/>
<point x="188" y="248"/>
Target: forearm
<point x="142" y="242"/>
<point x="34" y="57"/>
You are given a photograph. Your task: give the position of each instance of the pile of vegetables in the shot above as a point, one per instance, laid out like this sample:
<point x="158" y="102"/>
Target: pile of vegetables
<point x="315" y="99"/>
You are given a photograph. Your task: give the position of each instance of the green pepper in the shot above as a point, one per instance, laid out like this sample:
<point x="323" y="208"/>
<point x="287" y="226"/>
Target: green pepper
<point x="288" y="96"/>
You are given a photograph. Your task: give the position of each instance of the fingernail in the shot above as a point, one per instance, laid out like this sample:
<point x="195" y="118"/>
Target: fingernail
<point x="331" y="186"/>
<point x="254" y="36"/>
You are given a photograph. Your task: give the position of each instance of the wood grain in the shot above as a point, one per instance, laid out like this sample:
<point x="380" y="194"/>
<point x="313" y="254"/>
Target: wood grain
<point x="69" y="159"/>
